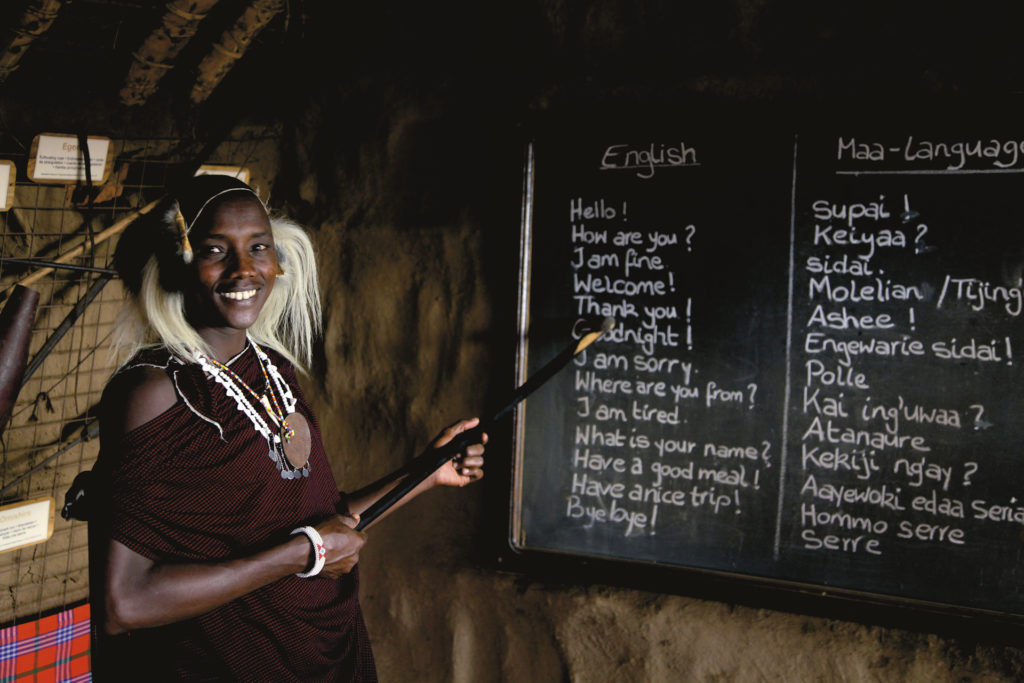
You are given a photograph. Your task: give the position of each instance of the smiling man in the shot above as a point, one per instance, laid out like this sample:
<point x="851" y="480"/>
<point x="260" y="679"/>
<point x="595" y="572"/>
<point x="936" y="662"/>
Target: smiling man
<point x="224" y="548"/>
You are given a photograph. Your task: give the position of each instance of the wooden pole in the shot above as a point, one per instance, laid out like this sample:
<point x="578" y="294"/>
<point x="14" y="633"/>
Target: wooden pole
<point x="114" y="229"/>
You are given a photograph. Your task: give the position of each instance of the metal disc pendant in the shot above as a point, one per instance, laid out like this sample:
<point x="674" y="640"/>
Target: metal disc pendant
<point x="298" y="447"/>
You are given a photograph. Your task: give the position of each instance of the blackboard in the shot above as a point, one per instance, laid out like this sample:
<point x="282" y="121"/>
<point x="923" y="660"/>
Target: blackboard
<point x="816" y="371"/>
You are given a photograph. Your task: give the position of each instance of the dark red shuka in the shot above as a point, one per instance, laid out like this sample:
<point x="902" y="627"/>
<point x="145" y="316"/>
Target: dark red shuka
<point x="179" y="492"/>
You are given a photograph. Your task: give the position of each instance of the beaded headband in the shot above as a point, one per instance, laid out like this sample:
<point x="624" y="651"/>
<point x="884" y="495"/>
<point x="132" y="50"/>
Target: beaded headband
<point x="184" y="227"/>
<point x="164" y="233"/>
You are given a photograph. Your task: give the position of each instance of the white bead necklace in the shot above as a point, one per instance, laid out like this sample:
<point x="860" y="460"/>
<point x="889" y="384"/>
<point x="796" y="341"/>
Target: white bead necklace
<point x="231" y="387"/>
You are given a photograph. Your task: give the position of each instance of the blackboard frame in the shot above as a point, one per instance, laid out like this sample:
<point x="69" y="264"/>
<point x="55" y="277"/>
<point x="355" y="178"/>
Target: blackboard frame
<point x="771" y="592"/>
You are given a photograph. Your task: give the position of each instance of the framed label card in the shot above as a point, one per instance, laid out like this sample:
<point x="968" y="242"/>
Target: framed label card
<point x="26" y="523"/>
<point x="57" y="159"/>
<point x="6" y="184"/>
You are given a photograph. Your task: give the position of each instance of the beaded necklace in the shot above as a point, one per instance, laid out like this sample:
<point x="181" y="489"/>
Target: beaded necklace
<point x="237" y="389"/>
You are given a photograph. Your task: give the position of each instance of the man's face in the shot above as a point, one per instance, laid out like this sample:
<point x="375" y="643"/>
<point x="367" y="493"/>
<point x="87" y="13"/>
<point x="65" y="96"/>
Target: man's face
<point x="235" y="264"/>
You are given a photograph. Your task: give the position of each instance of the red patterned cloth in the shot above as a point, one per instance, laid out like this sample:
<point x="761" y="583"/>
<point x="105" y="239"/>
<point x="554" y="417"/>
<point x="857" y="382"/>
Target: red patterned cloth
<point x="54" y="649"/>
<point x="184" y="491"/>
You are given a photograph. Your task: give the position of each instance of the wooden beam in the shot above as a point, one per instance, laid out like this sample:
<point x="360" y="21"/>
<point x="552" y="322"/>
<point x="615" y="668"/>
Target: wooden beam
<point x="156" y="55"/>
<point x="35" y="21"/>
<point x="232" y="45"/>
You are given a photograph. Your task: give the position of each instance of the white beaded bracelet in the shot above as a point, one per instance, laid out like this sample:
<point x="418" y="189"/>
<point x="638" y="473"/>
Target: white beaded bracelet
<point x="318" y="548"/>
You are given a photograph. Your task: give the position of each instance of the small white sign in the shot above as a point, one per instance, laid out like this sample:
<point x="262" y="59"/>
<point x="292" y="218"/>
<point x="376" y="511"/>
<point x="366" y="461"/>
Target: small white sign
<point x="240" y="172"/>
<point x="6" y="184"/>
<point x="26" y="523"/>
<point x="59" y="159"/>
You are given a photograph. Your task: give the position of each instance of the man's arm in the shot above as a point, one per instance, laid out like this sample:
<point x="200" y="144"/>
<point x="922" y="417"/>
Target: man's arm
<point x="466" y="468"/>
<point x="141" y="593"/>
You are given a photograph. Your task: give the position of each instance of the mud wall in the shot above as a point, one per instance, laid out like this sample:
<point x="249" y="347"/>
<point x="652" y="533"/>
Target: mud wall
<point x="407" y="166"/>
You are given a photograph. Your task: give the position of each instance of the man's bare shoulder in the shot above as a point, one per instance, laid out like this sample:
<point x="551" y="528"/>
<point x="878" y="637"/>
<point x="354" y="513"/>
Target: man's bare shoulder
<point x="135" y="396"/>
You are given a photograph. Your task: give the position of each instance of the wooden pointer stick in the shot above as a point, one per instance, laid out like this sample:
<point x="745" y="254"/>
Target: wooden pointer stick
<point x="435" y="458"/>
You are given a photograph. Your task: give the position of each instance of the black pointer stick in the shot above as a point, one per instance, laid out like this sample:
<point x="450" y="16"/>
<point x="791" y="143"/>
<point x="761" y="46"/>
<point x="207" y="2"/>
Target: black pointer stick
<point x="435" y="458"/>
